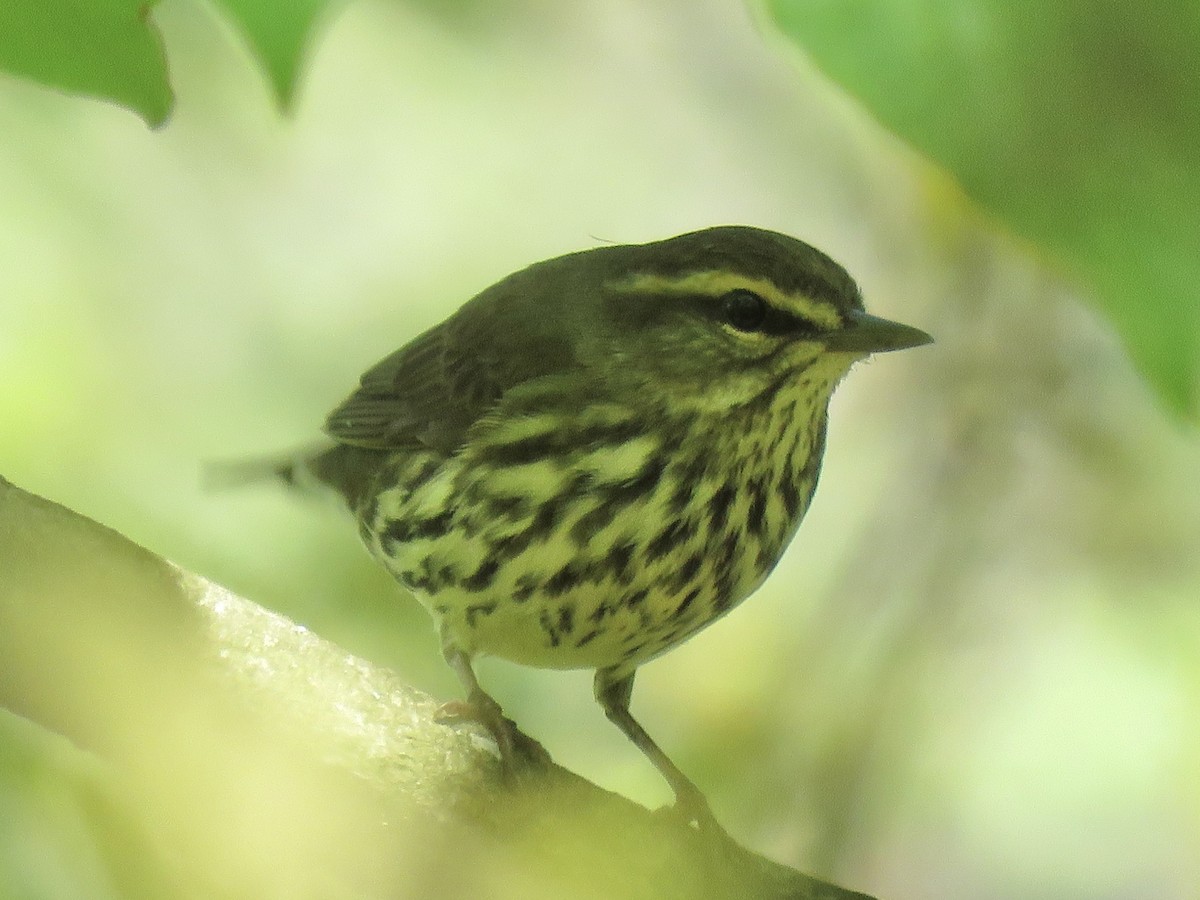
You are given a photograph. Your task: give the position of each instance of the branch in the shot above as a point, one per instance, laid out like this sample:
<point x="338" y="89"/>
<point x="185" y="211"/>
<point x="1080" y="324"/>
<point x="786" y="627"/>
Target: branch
<point x="241" y="755"/>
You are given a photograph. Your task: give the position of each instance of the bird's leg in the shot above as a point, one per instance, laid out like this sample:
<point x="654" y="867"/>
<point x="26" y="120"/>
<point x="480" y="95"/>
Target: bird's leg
<point x="518" y="751"/>
<point x="613" y="691"/>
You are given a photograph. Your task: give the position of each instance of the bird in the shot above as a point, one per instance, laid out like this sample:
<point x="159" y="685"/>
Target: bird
<point x="601" y="454"/>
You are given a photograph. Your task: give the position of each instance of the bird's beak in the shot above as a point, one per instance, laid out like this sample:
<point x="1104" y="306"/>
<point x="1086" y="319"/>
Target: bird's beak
<point x="865" y="333"/>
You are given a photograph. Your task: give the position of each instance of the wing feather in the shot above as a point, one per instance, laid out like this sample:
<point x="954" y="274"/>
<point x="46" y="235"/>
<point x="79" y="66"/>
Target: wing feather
<point x="431" y="391"/>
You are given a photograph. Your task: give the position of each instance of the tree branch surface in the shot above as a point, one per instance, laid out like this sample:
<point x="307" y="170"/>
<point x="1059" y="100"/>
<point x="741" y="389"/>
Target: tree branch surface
<point x="221" y="750"/>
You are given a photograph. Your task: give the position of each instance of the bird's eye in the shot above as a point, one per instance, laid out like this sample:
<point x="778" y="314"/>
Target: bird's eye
<point x="744" y="309"/>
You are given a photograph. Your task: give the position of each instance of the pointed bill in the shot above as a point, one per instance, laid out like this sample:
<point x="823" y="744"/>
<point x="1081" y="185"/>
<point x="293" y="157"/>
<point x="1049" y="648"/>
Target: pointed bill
<point x="865" y="333"/>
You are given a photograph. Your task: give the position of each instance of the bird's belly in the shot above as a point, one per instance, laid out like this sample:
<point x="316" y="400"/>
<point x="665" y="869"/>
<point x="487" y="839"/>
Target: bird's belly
<point x="607" y="560"/>
<point x="557" y="604"/>
<point x="588" y="627"/>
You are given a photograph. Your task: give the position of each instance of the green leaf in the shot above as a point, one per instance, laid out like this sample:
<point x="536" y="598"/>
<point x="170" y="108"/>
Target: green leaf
<point x="278" y="32"/>
<point x="1077" y="122"/>
<point x="98" y="48"/>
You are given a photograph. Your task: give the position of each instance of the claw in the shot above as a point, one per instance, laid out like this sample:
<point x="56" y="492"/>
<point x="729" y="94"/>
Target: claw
<point x="519" y="753"/>
<point x="692" y="807"/>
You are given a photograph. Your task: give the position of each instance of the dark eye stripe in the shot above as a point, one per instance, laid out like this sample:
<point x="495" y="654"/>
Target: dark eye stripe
<point x="776" y="322"/>
<point x="639" y="309"/>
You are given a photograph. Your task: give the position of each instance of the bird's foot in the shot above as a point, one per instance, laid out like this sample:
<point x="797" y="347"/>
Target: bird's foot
<point x="692" y="809"/>
<point x="519" y="753"/>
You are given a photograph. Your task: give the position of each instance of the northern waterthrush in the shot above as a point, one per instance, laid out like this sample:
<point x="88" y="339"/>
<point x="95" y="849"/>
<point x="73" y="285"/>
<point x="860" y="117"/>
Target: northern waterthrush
<point x="603" y="453"/>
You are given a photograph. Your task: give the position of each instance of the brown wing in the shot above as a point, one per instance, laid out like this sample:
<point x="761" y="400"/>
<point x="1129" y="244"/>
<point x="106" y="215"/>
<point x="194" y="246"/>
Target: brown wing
<point x="428" y="393"/>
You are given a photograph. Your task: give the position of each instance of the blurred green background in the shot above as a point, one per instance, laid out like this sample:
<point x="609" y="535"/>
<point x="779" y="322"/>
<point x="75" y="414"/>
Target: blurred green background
<point x="977" y="671"/>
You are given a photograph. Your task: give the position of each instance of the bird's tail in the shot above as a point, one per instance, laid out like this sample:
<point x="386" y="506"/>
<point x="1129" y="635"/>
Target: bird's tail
<point x="290" y="469"/>
<point x="311" y="470"/>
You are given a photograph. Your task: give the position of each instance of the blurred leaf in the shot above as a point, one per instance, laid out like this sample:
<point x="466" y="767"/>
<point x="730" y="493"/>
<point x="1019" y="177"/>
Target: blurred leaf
<point x="1077" y="122"/>
<point x="65" y="823"/>
<point x="278" y="32"/>
<point x="99" y="48"/>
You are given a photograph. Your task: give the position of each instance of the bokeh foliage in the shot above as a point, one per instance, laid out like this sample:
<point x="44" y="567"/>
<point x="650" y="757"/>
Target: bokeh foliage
<point x="99" y="48"/>
<point x="1076" y="123"/>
